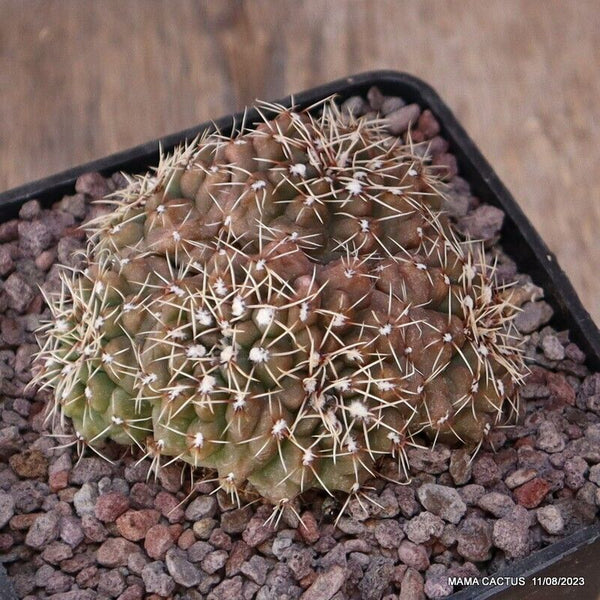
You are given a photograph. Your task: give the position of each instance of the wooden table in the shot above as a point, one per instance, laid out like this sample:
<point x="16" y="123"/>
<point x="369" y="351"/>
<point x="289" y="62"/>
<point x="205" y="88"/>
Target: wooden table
<point x="80" y="79"/>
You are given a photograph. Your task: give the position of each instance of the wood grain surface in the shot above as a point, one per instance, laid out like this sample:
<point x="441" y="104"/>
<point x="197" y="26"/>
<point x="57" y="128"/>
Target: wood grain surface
<point x="80" y="79"/>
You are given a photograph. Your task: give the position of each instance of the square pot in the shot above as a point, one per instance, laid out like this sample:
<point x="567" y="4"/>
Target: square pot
<point x="573" y="556"/>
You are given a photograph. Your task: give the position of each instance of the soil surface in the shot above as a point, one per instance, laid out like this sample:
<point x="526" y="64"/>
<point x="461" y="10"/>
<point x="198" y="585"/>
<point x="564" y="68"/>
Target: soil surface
<point x="84" y="528"/>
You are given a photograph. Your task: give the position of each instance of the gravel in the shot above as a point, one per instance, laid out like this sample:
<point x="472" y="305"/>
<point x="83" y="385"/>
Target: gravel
<point x="78" y="529"/>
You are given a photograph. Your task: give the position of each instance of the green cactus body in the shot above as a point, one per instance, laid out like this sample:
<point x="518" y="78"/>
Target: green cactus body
<point x="285" y="307"/>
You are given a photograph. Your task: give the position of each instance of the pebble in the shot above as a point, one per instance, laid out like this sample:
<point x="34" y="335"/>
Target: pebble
<point x="326" y="585"/>
<point x="496" y="504"/>
<point x="442" y="501"/>
<point x="436" y="582"/>
<point x="257" y="531"/>
<point x="354" y="106"/>
<point x="136" y="562"/>
<point x="530" y="494"/>
<point x="9" y="230"/>
<point x="594" y="476"/>
<point x="552" y="348"/>
<point x="214" y="561"/>
<point x="550" y="518"/>
<point x="412" y="586"/>
<point x="413" y="555"/>
<point x="227" y="589"/>
<point x="71" y="531"/>
<point x="93" y="529"/>
<point x="156" y="580"/>
<point x="92" y="184"/>
<point x="56" y="551"/>
<point x="85" y="499"/>
<point x="235" y="521"/>
<point x="549" y="438"/>
<point x="375" y="98"/>
<point x="30" y="210"/>
<point x="110" y="506"/>
<point x="484" y="223"/>
<point x="511" y="533"/>
<point x="89" y="470"/>
<point x="181" y="569"/>
<point x="388" y="533"/>
<point x="134" y="524"/>
<point x="169" y="507"/>
<point x="7" y="508"/>
<point x="377" y="578"/>
<point x="74" y="205"/>
<point x="519" y="477"/>
<point x="461" y="466"/>
<point x="424" y="527"/>
<point x="111" y="583"/>
<point x="399" y="120"/>
<point x="575" y="469"/>
<point x="240" y="552"/>
<point x="474" y="539"/>
<point x="428" y="124"/>
<point x="430" y="460"/>
<point x="391" y="104"/>
<point x="45" y="529"/>
<point x="532" y="316"/>
<point x="114" y="552"/>
<point x="6" y="259"/>
<point x="256" y="569"/>
<point x="200" y="508"/>
<point x="34" y="236"/>
<point x="486" y="471"/>
<point x="18" y="292"/>
<point x="309" y="528"/>
<point x="157" y="541"/>
<point x="203" y="528"/>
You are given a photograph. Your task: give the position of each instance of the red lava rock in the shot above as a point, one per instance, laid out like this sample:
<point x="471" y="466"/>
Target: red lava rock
<point x="240" y="552"/>
<point x="169" y="507"/>
<point x="22" y="522"/>
<point x="530" y="494"/>
<point x="525" y="441"/>
<point x="9" y="231"/>
<point x="186" y="539"/>
<point x="175" y="530"/>
<point x="219" y="539"/>
<point x="133" y="592"/>
<point x="158" y="540"/>
<point x="326" y="584"/>
<point x="134" y="524"/>
<point x="93" y="529"/>
<point x="58" y="481"/>
<point x="141" y="495"/>
<point x="6" y="542"/>
<point x="109" y="506"/>
<point x="428" y="124"/>
<point x="92" y="184"/>
<point x="308" y="580"/>
<point x="257" y="531"/>
<point x="309" y="528"/>
<point x="115" y="552"/>
<point x="170" y="477"/>
<point x="560" y="388"/>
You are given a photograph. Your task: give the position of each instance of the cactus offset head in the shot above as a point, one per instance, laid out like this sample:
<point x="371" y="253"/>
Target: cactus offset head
<point x="284" y="307"/>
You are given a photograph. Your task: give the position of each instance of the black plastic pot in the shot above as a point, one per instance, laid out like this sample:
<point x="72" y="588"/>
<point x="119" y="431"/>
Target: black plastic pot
<point x="575" y="556"/>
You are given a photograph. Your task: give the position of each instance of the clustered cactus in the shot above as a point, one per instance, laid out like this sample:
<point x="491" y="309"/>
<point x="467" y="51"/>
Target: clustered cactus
<point x="283" y="307"/>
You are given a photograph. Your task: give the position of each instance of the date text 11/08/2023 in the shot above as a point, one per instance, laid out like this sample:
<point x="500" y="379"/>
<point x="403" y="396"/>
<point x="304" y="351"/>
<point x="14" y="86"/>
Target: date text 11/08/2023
<point x="517" y="581"/>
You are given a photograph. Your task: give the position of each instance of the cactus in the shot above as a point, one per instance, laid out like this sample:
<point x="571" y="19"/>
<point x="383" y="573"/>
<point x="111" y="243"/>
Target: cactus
<point x="284" y="308"/>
